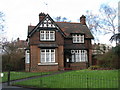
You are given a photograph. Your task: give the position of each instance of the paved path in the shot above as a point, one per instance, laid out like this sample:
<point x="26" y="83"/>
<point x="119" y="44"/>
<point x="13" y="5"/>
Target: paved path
<point x="6" y="87"/>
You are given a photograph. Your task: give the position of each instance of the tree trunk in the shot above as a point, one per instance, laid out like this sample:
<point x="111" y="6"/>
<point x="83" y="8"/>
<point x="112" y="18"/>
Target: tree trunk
<point x="8" y="77"/>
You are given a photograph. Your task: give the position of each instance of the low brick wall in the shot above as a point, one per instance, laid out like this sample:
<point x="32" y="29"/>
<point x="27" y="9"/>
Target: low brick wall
<point x="78" y="66"/>
<point x="44" y="68"/>
<point x="27" y="67"/>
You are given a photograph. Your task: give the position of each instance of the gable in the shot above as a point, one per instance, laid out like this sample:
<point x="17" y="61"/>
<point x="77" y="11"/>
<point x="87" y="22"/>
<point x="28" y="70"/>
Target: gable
<point x="45" y="24"/>
<point x="48" y="22"/>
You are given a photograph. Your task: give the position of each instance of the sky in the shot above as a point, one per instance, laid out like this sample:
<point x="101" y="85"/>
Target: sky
<point x="21" y="13"/>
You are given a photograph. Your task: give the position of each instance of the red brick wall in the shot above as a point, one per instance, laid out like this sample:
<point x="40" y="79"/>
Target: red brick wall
<point x="35" y="53"/>
<point x="90" y="57"/>
<point x="45" y="68"/>
<point x="35" y="59"/>
<point x="61" y="57"/>
<point x="27" y="67"/>
<point x="35" y="39"/>
<point x="78" y="66"/>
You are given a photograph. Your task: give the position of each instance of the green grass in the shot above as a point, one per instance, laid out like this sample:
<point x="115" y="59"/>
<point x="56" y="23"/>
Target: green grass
<point x="19" y="75"/>
<point x="76" y="79"/>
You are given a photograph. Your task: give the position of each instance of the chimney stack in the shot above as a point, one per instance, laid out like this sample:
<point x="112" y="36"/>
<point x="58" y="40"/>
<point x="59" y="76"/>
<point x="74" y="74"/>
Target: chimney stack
<point x="41" y="16"/>
<point x="83" y="20"/>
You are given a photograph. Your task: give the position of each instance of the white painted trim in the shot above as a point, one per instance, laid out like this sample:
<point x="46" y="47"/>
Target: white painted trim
<point x="45" y="33"/>
<point x="47" y="63"/>
<point x="27" y="57"/>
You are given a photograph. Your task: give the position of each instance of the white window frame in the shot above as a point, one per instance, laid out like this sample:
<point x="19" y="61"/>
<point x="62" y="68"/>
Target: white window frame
<point x="47" y="56"/>
<point x="79" y="55"/>
<point x="46" y="35"/>
<point x="27" y="56"/>
<point x="78" y="38"/>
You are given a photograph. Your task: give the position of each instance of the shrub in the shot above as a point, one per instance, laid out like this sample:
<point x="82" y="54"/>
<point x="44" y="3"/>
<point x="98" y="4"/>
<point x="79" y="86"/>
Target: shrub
<point x="108" y="60"/>
<point x="94" y="67"/>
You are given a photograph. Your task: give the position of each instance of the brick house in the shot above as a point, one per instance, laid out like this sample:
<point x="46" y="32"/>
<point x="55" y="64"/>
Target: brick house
<point x="57" y="46"/>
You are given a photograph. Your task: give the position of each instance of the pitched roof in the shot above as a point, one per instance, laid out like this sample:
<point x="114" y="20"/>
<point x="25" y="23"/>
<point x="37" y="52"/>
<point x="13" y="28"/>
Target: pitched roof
<point x="69" y="28"/>
<point x="66" y="28"/>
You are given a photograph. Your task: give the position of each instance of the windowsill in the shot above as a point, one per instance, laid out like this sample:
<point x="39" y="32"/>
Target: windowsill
<point x="27" y="63"/>
<point x="80" y="62"/>
<point x="47" y="63"/>
<point x="47" y="40"/>
<point x="78" y="42"/>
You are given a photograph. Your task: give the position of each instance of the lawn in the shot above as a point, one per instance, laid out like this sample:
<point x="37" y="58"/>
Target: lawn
<point x="19" y="75"/>
<point x="76" y="79"/>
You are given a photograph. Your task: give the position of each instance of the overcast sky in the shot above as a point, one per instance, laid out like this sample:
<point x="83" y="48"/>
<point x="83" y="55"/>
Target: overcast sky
<point x="21" y="13"/>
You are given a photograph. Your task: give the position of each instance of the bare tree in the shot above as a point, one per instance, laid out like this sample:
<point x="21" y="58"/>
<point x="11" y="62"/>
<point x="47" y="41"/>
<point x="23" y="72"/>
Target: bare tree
<point x="1" y="37"/>
<point x="12" y="57"/>
<point x="104" y="22"/>
<point x="2" y="21"/>
<point x="2" y="26"/>
<point x="58" y="18"/>
<point x="61" y="19"/>
<point x="11" y="50"/>
<point x="108" y="20"/>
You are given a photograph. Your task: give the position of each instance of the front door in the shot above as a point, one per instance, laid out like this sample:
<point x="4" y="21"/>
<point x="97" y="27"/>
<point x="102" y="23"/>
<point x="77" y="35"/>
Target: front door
<point x="67" y="62"/>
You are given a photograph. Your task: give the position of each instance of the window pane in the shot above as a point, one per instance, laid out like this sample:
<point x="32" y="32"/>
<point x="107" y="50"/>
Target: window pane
<point x="52" y="35"/>
<point x="52" y="55"/>
<point x="86" y="58"/>
<point x="83" y="55"/>
<point x="80" y="55"/>
<point x="27" y="56"/>
<point x="47" y="35"/>
<point x="47" y="56"/>
<point x="82" y="38"/>
<point x="78" y="39"/>
<point x="42" y="35"/>
<point x="73" y="57"/>
<point x="42" y="55"/>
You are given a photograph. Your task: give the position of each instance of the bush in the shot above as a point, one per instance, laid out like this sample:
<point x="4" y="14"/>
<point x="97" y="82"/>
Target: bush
<point x="94" y="67"/>
<point x="108" y="60"/>
<point x="14" y="64"/>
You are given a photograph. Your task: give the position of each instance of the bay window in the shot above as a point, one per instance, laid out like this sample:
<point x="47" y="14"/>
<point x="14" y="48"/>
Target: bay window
<point x="79" y="55"/>
<point x="47" y="56"/>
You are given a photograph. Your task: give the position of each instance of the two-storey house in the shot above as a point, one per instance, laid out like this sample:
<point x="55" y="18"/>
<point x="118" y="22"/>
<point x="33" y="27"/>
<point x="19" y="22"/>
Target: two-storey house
<point x="57" y="46"/>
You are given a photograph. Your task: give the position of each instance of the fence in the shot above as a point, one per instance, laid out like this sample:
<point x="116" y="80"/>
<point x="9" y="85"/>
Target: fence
<point x="79" y="81"/>
<point x="70" y="81"/>
<point x="63" y="80"/>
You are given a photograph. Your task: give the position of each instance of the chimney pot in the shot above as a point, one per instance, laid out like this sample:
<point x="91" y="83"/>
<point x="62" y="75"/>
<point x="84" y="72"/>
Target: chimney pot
<point x="41" y="16"/>
<point x="83" y="20"/>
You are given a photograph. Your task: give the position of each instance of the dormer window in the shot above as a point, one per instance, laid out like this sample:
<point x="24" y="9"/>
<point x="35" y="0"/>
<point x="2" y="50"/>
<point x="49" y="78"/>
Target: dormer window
<point x="46" y="35"/>
<point x="78" y="38"/>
